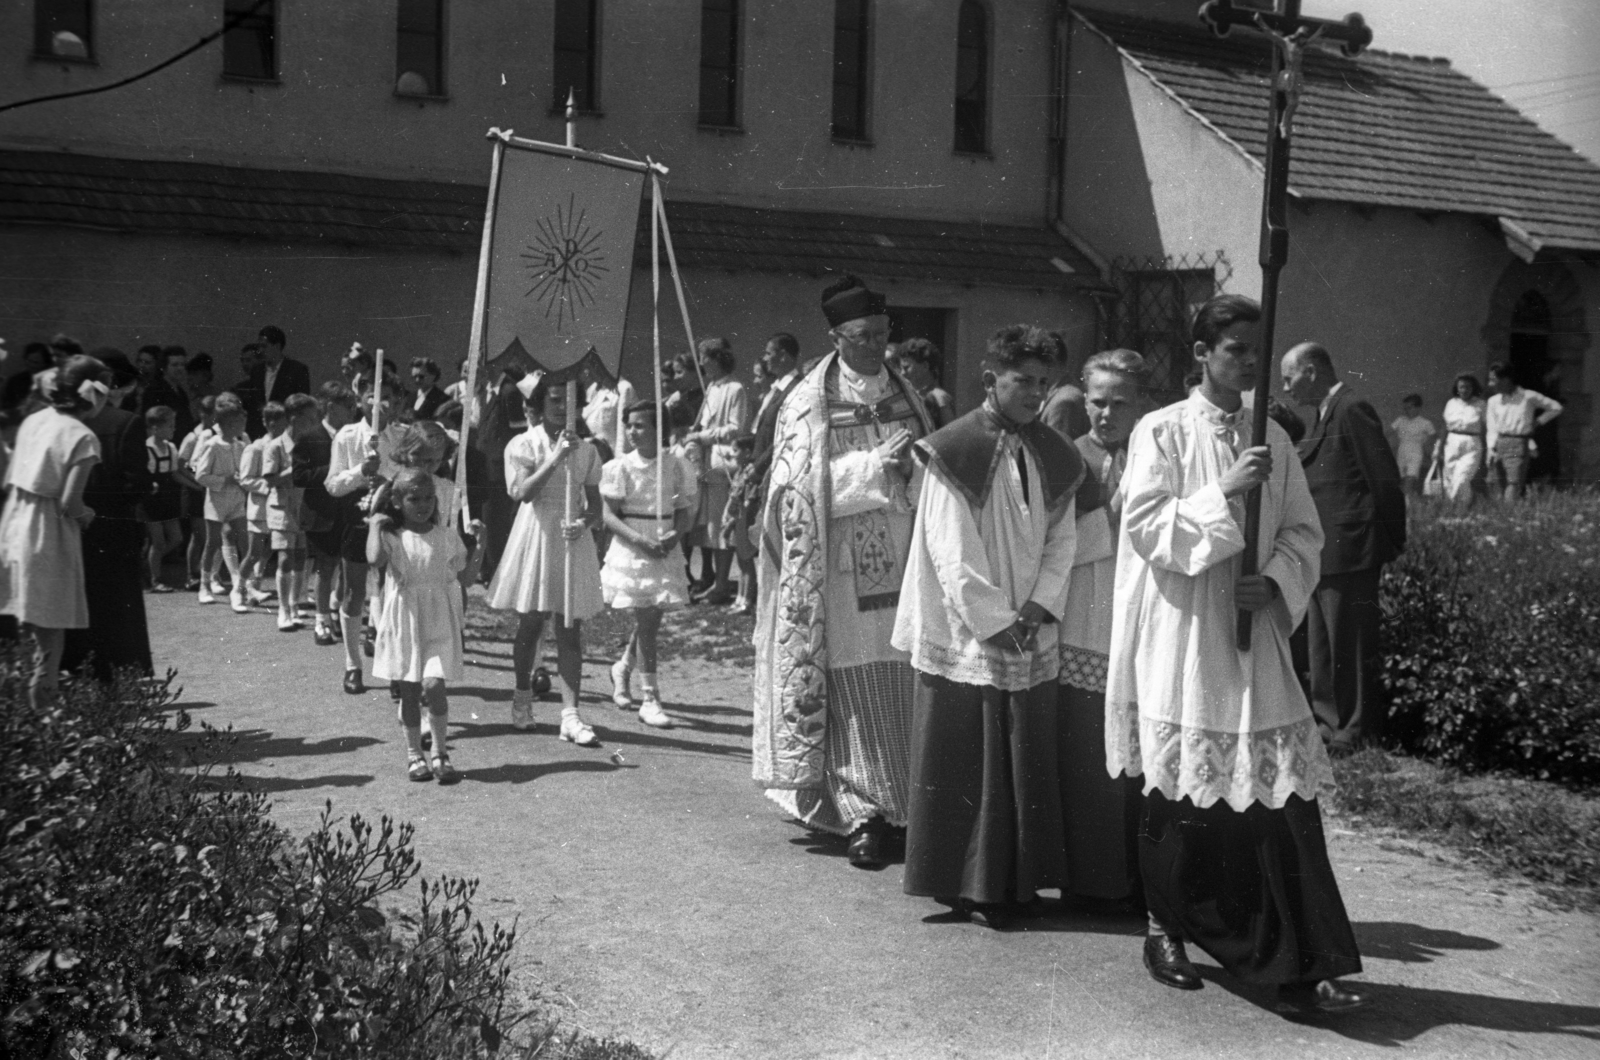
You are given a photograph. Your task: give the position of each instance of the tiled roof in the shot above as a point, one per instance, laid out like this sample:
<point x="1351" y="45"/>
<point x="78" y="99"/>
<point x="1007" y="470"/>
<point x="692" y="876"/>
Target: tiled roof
<point x="195" y="199"/>
<point x="1380" y="129"/>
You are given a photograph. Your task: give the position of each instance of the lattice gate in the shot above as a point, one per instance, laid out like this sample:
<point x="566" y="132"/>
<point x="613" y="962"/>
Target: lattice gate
<point x="1158" y="298"/>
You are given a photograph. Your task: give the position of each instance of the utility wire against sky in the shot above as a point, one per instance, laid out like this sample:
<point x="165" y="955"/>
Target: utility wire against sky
<point x="235" y="19"/>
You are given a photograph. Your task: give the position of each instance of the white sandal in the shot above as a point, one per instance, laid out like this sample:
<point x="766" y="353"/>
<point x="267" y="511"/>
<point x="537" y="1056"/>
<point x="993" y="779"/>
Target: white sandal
<point x="651" y="714"/>
<point x="576" y="730"/>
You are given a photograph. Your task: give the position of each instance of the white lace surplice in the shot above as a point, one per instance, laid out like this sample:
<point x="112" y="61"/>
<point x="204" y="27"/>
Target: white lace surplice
<point x="1184" y="707"/>
<point x="969" y="573"/>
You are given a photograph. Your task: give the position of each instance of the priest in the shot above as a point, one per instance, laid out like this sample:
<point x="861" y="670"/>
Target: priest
<point x="832" y="723"/>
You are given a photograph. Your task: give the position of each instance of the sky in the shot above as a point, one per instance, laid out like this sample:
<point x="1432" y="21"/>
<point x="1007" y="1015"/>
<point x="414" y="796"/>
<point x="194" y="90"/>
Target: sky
<point x="1542" y="56"/>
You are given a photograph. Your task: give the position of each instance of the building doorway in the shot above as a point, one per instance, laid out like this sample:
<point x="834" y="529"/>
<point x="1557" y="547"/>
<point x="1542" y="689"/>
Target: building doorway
<point x="1528" y="349"/>
<point x="1537" y="325"/>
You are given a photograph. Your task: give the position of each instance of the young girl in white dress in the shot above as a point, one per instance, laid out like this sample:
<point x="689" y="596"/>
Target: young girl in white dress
<point x="531" y="577"/>
<point x="41" y="531"/>
<point x="420" y="619"/>
<point x="642" y="573"/>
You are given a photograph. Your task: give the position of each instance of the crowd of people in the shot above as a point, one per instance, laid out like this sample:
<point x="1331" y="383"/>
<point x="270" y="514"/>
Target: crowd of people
<point x="1005" y="638"/>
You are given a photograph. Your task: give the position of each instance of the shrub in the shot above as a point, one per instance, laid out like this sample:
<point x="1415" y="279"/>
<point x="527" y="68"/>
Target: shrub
<point x="1491" y="633"/>
<point x="157" y="911"/>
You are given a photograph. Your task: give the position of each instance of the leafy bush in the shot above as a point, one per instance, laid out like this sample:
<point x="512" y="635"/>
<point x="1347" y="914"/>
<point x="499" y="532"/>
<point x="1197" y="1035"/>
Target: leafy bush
<point x="157" y="911"/>
<point x="1491" y="633"/>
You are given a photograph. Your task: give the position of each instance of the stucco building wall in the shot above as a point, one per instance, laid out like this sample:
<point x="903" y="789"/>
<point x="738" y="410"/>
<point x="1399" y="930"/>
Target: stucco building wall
<point x="334" y="108"/>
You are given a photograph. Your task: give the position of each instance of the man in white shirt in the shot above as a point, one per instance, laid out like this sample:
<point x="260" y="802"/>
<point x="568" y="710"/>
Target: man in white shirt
<point x="1512" y="415"/>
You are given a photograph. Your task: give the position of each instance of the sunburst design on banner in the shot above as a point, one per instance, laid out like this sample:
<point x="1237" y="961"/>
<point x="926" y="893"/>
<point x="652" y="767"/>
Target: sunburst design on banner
<point x="565" y="263"/>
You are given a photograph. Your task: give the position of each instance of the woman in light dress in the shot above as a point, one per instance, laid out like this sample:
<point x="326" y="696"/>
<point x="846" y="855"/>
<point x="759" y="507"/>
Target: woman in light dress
<point x="41" y="530"/>
<point x="531" y="577"/>
<point x="723" y="417"/>
<point x="1460" y="452"/>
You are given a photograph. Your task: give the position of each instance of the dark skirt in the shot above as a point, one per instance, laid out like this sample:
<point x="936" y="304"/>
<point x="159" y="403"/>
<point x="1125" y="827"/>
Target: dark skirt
<point x="118" y="635"/>
<point x="1101" y="812"/>
<point x="1253" y="889"/>
<point x="985" y="815"/>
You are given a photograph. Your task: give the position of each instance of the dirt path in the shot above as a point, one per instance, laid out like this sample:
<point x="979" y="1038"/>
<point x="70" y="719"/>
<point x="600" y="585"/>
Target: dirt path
<point x="663" y="899"/>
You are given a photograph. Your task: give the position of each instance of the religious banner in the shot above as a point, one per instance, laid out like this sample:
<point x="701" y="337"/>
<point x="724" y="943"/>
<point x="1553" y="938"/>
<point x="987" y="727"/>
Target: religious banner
<point x="560" y="262"/>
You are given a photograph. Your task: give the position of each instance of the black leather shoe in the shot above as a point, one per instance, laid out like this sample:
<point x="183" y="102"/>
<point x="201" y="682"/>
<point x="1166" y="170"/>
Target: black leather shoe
<point x="1327" y="996"/>
<point x="866" y="847"/>
<point x="1169" y="964"/>
<point x="353" y="683"/>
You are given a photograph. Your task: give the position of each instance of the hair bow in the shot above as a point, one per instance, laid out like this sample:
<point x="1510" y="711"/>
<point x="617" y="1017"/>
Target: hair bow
<point x="89" y="388"/>
<point x="528" y="383"/>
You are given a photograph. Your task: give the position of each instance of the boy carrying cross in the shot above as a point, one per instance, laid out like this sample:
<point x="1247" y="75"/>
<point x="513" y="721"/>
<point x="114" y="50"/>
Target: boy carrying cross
<point x="1231" y="846"/>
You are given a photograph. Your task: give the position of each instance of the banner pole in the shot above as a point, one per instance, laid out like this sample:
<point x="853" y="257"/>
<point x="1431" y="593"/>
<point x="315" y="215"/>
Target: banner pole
<point x="655" y="324"/>
<point x="677" y="282"/>
<point x="566" y="595"/>
<point x="480" y="301"/>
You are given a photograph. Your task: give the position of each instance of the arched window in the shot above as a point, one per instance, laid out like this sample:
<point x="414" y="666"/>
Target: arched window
<point x="972" y="78"/>
<point x="577" y="65"/>
<point x="61" y="29"/>
<point x="852" y="82"/>
<point x="419" y="48"/>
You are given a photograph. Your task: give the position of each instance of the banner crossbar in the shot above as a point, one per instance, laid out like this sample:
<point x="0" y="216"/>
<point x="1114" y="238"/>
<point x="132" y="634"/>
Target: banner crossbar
<point x="505" y="136"/>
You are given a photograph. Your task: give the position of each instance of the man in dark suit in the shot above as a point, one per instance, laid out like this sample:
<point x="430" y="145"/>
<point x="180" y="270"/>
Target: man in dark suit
<point x="114" y="541"/>
<point x="249" y="389"/>
<point x="1355" y="483"/>
<point x="782" y="358"/>
<point x="280" y="375"/>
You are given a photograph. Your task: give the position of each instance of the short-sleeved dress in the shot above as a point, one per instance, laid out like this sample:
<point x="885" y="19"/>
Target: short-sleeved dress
<point x="630" y="578"/>
<point x="531" y="575"/>
<point x="420" y="620"/>
<point x="41" y="548"/>
<point x="1414" y="432"/>
<point x="1463" y="444"/>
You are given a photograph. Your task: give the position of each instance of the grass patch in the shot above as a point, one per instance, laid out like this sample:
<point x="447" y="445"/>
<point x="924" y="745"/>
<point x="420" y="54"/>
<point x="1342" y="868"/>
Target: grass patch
<point x="1541" y="831"/>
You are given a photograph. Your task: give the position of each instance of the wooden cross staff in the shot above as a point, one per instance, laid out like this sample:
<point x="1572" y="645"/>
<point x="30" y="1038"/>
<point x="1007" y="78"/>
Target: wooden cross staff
<point x="1290" y="33"/>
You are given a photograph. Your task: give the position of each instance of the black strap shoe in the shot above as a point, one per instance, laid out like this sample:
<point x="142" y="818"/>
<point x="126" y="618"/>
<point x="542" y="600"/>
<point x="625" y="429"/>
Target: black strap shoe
<point x="1169" y="963"/>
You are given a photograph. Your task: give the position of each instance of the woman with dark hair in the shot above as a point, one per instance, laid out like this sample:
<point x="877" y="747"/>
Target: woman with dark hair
<point x="917" y="360"/>
<point x="118" y="635"/>
<point x="503" y="419"/>
<point x="724" y="416"/>
<point x="41" y="531"/>
<point x="1460" y="453"/>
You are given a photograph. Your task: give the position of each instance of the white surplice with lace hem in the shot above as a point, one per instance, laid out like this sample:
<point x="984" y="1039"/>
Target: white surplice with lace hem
<point x="1184" y="707"/>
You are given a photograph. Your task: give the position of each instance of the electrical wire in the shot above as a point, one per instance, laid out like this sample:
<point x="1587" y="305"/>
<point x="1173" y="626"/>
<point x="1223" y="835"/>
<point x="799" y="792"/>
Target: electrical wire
<point x="227" y="24"/>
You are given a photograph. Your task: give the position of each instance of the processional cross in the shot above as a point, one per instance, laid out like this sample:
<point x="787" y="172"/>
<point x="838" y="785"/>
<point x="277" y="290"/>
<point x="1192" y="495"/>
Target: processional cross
<point x="1290" y="33"/>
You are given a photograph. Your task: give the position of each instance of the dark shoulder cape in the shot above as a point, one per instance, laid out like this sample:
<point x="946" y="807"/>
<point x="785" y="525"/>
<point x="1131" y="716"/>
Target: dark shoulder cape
<point x="968" y="449"/>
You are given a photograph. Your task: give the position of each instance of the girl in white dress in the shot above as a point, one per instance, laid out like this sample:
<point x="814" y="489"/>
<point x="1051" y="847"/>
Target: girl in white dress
<point x="1461" y="450"/>
<point x="531" y="576"/>
<point x="420" y="619"/>
<point x="642" y="573"/>
<point x="41" y="531"/>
